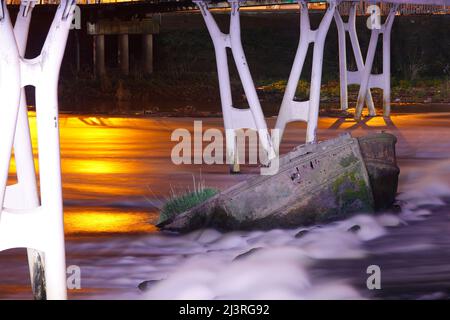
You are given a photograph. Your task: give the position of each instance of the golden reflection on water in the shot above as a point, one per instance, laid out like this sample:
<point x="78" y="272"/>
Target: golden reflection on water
<point x="104" y="221"/>
<point x="87" y="166"/>
<point x="110" y="160"/>
<point x="102" y="162"/>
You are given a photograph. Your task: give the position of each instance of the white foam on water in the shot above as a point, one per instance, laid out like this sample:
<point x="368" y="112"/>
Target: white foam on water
<point x="390" y="220"/>
<point x="280" y="266"/>
<point x="270" y="273"/>
<point x="275" y="264"/>
<point x="369" y="227"/>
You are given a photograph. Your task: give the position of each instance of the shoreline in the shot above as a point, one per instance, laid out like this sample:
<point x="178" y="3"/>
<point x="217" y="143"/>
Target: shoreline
<point x="330" y="110"/>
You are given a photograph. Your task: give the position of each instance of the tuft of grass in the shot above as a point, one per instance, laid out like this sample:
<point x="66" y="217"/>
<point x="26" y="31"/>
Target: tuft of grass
<point x="179" y="203"/>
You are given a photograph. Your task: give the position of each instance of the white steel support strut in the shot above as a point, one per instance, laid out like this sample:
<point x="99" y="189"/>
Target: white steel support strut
<point x="307" y="111"/>
<point x="383" y="80"/>
<point x="30" y="225"/>
<point x="24" y="194"/>
<point x="234" y="118"/>
<point x="350" y="77"/>
<point x="9" y="93"/>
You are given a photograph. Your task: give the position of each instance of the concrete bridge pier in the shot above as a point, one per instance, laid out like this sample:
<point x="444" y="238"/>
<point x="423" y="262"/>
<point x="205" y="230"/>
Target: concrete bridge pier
<point x="124" y="54"/>
<point x="145" y="27"/>
<point x="99" y="55"/>
<point x="147" y="40"/>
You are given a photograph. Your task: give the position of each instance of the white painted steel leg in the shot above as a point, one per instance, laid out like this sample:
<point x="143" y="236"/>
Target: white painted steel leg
<point x="387" y="62"/>
<point x="350" y="77"/>
<point x="9" y="93"/>
<point x="342" y="43"/>
<point x="26" y="195"/>
<point x="23" y="152"/>
<point x="369" y="80"/>
<point x="234" y="118"/>
<point x="247" y="81"/>
<point x="307" y="111"/>
<point x="220" y="45"/>
<point x="49" y="152"/>
<point x="40" y="228"/>
<point x="366" y="73"/>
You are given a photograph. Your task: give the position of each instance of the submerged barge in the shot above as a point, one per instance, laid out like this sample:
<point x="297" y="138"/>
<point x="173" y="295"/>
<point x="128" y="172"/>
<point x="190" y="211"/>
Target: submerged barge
<point x="315" y="183"/>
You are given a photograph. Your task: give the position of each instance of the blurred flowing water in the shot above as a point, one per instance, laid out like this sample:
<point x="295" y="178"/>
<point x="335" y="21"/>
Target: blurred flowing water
<point x="117" y="172"/>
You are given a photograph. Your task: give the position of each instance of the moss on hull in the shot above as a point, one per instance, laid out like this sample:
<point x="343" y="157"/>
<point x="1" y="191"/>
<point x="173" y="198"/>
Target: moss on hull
<point x="349" y="187"/>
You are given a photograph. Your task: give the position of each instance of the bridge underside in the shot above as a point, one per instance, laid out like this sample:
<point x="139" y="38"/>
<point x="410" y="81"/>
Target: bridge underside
<point x="127" y="10"/>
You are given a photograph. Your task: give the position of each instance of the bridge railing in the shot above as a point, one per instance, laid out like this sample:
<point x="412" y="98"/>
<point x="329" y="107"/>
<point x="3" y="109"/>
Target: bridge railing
<point x="404" y="9"/>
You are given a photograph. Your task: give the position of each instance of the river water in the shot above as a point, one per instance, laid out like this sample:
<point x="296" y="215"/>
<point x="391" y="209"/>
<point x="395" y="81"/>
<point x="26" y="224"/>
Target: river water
<point x="117" y="173"/>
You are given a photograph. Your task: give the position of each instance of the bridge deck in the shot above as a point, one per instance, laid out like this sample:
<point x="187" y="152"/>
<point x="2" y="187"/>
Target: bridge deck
<point x="218" y="3"/>
<point x="125" y="9"/>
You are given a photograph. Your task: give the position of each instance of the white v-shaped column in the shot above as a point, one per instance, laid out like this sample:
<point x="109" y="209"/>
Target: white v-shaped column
<point x="383" y="80"/>
<point x="290" y="110"/>
<point x="307" y="111"/>
<point x="347" y="77"/>
<point x="364" y="76"/>
<point x="234" y="118"/>
<point x="24" y="223"/>
<point x="24" y="194"/>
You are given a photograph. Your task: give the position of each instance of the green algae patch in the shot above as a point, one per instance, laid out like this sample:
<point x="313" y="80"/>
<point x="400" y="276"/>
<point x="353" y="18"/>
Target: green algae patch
<point x="349" y="188"/>
<point x="348" y="161"/>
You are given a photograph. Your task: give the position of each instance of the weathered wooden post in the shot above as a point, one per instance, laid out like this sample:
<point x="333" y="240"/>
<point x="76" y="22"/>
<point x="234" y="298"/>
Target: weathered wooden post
<point x="28" y="224"/>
